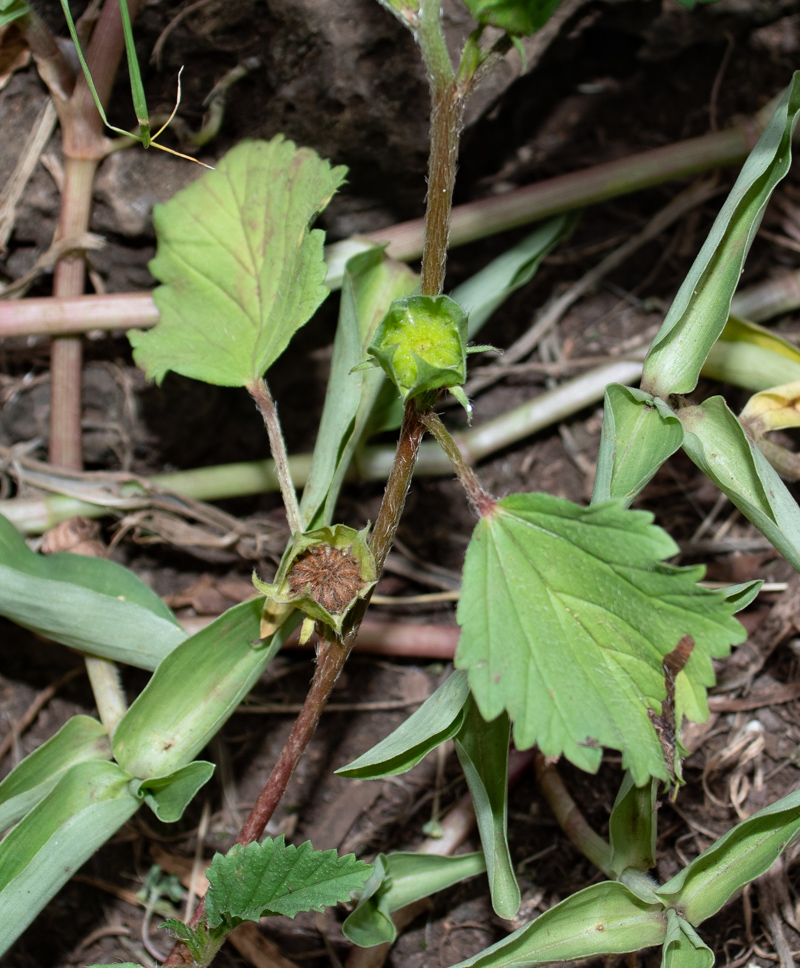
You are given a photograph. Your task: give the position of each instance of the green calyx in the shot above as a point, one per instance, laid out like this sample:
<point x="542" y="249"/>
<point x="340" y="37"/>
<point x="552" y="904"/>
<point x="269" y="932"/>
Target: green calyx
<point x="323" y="574"/>
<point x="421" y="344"/>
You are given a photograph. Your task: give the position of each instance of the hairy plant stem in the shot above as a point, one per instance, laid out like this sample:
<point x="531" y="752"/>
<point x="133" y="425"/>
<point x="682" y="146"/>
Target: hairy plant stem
<point x="569" y="817"/>
<point x="479" y="498"/>
<point x="259" y="391"/>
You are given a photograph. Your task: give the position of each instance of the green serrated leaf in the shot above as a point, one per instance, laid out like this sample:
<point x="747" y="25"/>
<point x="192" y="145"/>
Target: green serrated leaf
<point x="638" y="436"/>
<point x="168" y="796"/>
<point x="566" y="615"/>
<point x="79" y="739"/>
<point x="700" y="310"/>
<point x="483" y="753"/>
<point x="273" y="878"/>
<point x="683" y="947"/>
<point x="438" y="719"/>
<point x="87" y="603"/>
<point x="743" y="854"/>
<point x="603" y="919"/>
<point x="400" y="879"/>
<point x="241" y="271"/>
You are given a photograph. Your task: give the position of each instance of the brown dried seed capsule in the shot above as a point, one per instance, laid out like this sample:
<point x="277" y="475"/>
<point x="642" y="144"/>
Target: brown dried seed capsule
<point x="332" y="576"/>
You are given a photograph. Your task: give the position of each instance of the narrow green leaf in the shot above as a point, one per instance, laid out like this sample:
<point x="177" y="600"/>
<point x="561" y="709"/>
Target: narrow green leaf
<point x="400" y="879"/>
<point x="273" y="878"/>
<point x="168" y="796"/>
<point x="750" y="356"/>
<point x="194" y="691"/>
<point x="638" y="436"/>
<point x="632" y="827"/>
<point x="482" y="294"/>
<point x="371" y="283"/>
<point x="86" y="807"/>
<point x="700" y="310"/>
<point x="683" y="947"/>
<point x="483" y="754"/>
<point x="717" y="443"/>
<point x="603" y="919"/>
<point x="740" y="856"/>
<point x="87" y="603"/>
<point x="79" y="739"/>
<point x="12" y="10"/>
<point x="567" y="614"/>
<point x="241" y="271"/>
<point x="438" y="719"/>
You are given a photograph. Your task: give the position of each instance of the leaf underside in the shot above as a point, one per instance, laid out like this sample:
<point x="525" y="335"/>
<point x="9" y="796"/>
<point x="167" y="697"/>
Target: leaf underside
<point x="241" y="271"/>
<point x="567" y="614"/>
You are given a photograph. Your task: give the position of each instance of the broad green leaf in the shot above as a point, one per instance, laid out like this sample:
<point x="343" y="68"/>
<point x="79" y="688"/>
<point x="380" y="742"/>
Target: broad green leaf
<point x="371" y="283"/>
<point x="89" y="604"/>
<point x="400" y="879"/>
<point x="241" y="271"/>
<point x="85" y="808"/>
<point x="740" y="856"/>
<point x="272" y="878"/>
<point x="717" y="443"/>
<point x="483" y="754"/>
<point x="567" y="614"/>
<point x="752" y="357"/>
<point x="683" y="947"/>
<point x="438" y="719"/>
<point x="700" y="310"/>
<point x="482" y="294"/>
<point x="169" y="796"/>
<point x="517" y="17"/>
<point x="194" y="691"/>
<point x="638" y="436"/>
<point x="632" y="827"/>
<point x="603" y="919"/>
<point x="79" y="739"/>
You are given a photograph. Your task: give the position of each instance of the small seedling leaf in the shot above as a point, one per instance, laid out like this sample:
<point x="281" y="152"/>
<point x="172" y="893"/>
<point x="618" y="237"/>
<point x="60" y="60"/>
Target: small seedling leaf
<point x="79" y="739"/>
<point x="638" y="436"/>
<point x="700" y="310"/>
<point x="400" y="879"/>
<point x="483" y="753"/>
<point x="567" y="614"/>
<point x="86" y="603"/>
<point x="438" y="719"/>
<point x="272" y="878"/>
<point x="11" y="10"/>
<point x="717" y="443"/>
<point x="683" y="947"/>
<point x="168" y="796"/>
<point x="86" y="807"/>
<point x="240" y="268"/>
<point x="603" y="919"/>
<point x="740" y="856"/>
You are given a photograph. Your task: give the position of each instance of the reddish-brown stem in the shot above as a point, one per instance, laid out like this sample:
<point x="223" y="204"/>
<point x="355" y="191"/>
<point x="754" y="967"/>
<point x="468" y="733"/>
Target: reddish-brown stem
<point x="66" y="360"/>
<point x="480" y="499"/>
<point x="259" y="391"/>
